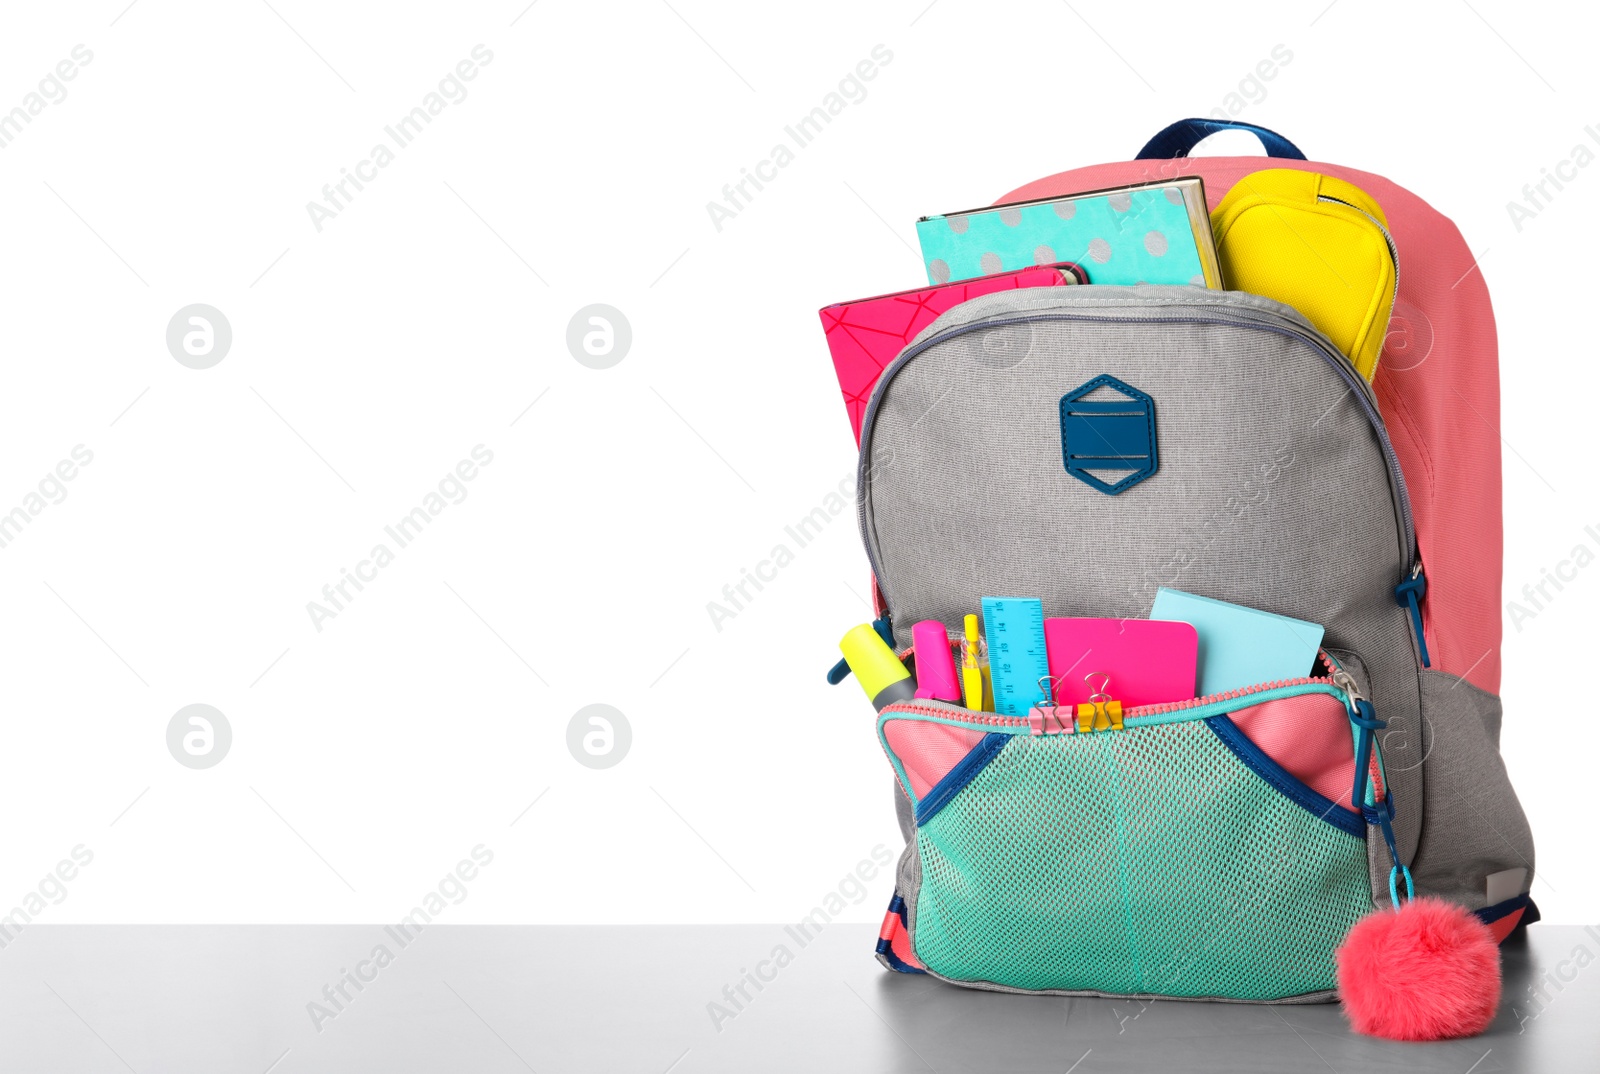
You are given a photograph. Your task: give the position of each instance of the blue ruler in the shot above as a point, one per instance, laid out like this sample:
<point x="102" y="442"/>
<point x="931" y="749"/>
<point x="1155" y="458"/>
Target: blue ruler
<point x="1013" y="629"/>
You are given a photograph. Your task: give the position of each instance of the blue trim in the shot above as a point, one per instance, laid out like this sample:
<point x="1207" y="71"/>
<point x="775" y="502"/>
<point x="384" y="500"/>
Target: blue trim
<point x="956" y="780"/>
<point x="1490" y="914"/>
<point x="1280" y="780"/>
<point x="896" y="963"/>
<point x="897" y="906"/>
<point x="1176" y="140"/>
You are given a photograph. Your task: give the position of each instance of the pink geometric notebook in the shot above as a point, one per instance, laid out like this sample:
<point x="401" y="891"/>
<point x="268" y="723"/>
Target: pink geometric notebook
<point x="868" y="334"/>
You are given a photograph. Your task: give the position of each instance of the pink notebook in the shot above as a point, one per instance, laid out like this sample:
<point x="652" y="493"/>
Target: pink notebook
<point x="869" y="333"/>
<point x="1149" y="661"/>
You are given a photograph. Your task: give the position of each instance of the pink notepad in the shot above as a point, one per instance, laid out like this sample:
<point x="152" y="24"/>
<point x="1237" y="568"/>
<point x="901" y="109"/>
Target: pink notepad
<point x="1149" y="661"/>
<point x="868" y="334"/>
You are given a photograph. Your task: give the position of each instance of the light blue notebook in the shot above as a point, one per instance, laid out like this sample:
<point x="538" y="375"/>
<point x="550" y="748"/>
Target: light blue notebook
<point x="1146" y="233"/>
<point x="1241" y="646"/>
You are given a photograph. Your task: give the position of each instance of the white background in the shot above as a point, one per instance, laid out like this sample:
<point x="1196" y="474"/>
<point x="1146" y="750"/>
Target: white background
<point x="369" y="358"/>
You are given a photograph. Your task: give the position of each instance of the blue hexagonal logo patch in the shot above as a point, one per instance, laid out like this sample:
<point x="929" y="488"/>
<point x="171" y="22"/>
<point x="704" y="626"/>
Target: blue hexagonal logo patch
<point x="1108" y="434"/>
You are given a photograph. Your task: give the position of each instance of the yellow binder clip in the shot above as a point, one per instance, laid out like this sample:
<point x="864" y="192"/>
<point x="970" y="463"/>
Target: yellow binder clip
<point x="1100" y="712"/>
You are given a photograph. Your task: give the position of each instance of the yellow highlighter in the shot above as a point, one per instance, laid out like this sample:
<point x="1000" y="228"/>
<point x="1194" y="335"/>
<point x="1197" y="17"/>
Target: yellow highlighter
<point x="974" y="667"/>
<point x="877" y="668"/>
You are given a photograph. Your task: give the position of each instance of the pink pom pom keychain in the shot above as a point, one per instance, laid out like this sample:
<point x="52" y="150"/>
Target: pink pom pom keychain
<point x="1424" y="970"/>
<point x="1429" y="970"/>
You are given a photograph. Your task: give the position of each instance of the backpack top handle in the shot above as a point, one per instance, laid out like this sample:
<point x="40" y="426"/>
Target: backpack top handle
<point x="1179" y="138"/>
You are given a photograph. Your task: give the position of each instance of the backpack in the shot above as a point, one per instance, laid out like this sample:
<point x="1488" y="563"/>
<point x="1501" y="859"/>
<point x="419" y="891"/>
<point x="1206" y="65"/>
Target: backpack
<point x="1218" y="848"/>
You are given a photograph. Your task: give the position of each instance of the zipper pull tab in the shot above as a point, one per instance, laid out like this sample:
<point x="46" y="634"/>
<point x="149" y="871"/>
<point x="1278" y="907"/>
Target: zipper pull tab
<point x="1408" y="594"/>
<point x="1364" y="718"/>
<point x="1347" y="682"/>
<point x="1366" y="722"/>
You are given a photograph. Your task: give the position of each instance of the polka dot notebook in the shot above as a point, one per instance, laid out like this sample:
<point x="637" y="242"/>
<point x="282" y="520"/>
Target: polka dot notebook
<point x="1151" y="233"/>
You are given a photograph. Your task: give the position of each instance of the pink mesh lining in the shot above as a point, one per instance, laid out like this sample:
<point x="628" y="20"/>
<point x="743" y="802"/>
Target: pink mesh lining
<point x="928" y="750"/>
<point x="1309" y="736"/>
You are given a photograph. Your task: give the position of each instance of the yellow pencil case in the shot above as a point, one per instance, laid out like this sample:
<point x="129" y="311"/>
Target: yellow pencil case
<point x="1318" y="244"/>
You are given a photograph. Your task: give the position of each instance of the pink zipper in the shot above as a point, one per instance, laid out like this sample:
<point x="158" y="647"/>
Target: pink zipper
<point x="1231" y="695"/>
<point x="995" y="720"/>
<point x="965" y="715"/>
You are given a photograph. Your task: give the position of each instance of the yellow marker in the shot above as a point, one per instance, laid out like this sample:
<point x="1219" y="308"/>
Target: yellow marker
<point x="974" y="666"/>
<point x="878" y="670"/>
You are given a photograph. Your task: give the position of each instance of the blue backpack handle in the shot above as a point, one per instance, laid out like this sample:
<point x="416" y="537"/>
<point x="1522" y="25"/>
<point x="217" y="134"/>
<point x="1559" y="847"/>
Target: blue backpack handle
<point x="1184" y="135"/>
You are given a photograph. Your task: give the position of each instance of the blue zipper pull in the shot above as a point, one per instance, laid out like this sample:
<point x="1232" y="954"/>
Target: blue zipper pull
<point x="1383" y="816"/>
<point x="1408" y="594"/>
<point x="1366" y="722"/>
<point x="841" y="671"/>
<point x="1364" y="718"/>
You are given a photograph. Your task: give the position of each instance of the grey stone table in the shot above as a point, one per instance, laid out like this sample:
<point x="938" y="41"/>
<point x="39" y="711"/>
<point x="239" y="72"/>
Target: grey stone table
<point x="234" y="999"/>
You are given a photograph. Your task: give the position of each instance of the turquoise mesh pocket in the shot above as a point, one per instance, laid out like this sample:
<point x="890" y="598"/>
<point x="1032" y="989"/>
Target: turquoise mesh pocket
<point x="1145" y="861"/>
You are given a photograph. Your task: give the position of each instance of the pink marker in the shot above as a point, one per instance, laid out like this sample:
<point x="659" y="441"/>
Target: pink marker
<point x="936" y="668"/>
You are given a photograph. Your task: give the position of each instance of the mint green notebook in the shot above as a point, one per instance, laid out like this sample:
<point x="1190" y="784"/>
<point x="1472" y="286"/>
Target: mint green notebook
<point x="1147" y="233"/>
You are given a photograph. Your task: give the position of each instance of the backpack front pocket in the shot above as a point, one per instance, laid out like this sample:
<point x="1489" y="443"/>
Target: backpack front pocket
<point x="1179" y="856"/>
